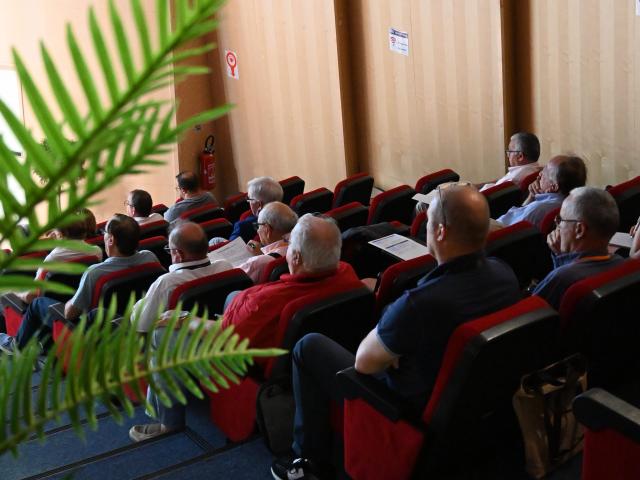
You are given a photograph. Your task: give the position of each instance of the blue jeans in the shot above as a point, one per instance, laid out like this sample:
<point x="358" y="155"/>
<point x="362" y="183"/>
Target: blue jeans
<point x="36" y="320"/>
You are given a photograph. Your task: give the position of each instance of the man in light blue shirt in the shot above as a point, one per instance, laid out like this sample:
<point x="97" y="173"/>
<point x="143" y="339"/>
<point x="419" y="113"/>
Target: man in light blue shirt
<point x="561" y="175"/>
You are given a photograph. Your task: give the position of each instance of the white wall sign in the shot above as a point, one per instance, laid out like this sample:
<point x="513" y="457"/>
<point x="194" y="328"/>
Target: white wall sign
<point x="399" y="41"/>
<point x="231" y="59"/>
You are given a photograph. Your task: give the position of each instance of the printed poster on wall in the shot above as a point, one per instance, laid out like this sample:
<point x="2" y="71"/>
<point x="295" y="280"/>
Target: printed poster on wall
<point x="231" y="59"/>
<point x="399" y="41"/>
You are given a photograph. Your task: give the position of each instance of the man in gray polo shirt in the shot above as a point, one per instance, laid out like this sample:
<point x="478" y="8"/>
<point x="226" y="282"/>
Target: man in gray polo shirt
<point x="121" y="237"/>
<point x="191" y="195"/>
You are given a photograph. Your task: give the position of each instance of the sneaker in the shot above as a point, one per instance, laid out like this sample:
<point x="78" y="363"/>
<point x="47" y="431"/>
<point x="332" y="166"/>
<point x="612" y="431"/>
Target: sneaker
<point x="298" y="469"/>
<point x="7" y="344"/>
<point x="138" y="433"/>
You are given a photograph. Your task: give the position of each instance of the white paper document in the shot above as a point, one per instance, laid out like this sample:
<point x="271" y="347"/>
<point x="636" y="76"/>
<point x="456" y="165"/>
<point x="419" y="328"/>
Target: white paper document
<point x="235" y="252"/>
<point x="401" y="247"/>
<point x="621" y="239"/>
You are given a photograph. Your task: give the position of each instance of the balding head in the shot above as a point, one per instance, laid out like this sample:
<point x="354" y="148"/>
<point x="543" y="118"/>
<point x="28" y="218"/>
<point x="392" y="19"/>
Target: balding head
<point x="562" y="174"/>
<point x="314" y="246"/>
<point x="188" y="241"/>
<point x="458" y="222"/>
<point x="278" y="216"/>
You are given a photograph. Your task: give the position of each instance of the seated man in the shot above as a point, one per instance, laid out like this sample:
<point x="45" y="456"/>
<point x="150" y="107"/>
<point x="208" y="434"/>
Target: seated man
<point x="523" y="153"/>
<point x="121" y="242"/>
<point x="138" y="205"/>
<point x="260" y="192"/>
<point x="313" y="257"/>
<point x="191" y="196"/>
<point x="275" y="222"/>
<point x="188" y="247"/>
<point x="588" y="219"/>
<point x="561" y="175"/>
<point x="405" y="349"/>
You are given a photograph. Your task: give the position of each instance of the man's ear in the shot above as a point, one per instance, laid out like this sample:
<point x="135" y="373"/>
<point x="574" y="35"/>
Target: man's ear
<point x="581" y="230"/>
<point x="441" y="232"/>
<point x="297" y="258"/>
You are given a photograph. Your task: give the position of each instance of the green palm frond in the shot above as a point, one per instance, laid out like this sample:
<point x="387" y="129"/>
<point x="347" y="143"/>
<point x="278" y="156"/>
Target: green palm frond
<point x="107" y="359"/>
<point x="125" y="132"/>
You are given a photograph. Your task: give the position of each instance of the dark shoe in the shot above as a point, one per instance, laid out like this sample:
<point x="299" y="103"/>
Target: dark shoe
<point x="298" y="469"/>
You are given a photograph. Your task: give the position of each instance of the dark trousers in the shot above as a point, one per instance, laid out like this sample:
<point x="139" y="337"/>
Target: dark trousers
<point x="35" y="319"/>
<point x="316" y="360"/>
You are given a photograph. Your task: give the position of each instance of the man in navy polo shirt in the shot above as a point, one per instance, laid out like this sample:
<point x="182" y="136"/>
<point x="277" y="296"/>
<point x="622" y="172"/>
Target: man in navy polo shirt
<point x="406" y="348"/>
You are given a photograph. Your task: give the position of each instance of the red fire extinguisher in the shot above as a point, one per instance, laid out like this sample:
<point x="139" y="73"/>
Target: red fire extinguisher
<point x="208" y="164"/>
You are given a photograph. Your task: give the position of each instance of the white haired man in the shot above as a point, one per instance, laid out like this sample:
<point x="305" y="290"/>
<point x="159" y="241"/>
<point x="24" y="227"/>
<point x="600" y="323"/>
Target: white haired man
<point x="260" y="192"/>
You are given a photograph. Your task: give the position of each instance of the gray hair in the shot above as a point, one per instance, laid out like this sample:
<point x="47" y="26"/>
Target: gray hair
<point x="528" y="144"/>
<point x="596" y="208"/>
<point x="279" y="216"/>
<point x="319" y="242"/>
<point x="265" y="189"/>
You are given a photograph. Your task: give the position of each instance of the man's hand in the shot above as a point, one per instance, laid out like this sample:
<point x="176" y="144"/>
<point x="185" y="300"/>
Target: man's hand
<point x="534" y="189"/>
<point x="254" y="247"/>
<point x="553" y="240"/>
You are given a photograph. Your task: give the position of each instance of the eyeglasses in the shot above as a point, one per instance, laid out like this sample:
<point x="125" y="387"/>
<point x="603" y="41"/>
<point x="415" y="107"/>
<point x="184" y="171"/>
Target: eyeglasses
<point x="127" y="204"/>
<point x="507" y="152"/>
<point x="442" y="207"/>
<point x="558" y="220"/>
<point x="168" y="249"/>
<point x="251" y="199"/>
<point x="257" y="225"/>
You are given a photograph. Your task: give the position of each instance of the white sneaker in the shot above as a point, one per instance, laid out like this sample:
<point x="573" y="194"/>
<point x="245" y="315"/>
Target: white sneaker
<point x="7" y="344"/>
<point x="138" y="433"/>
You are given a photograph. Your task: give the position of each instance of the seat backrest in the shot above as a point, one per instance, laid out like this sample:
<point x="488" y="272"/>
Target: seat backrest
<point x="156" y="246"/>
<point x="481" y="370"/>
<point x="291" y="187"/>
<point x="218" y="227"/>
<point x="70" y="279"/>
<point x="366" y="259"/>
<point x="159" y="208"/>
<point x="419" y="226"/>
<point x="502" y="197"/>
<point x="234" y="206"/>
<point x="524" y="248"/>
<point x="395" y="204"/>
<point x="154" y="229"/>
<point x="205" y="212"/>
<point x="427" y="183"/>
<point x="400" y="277"/>
<point x="273" y="270"/>
<point x="627" y="196"/>
<point x="599" y="319"/>
<point x="209" y="292"/>
<point x="318" y="200"/>
<point x="356" y="188"/>
<point x="548" y="223"/>
<point x="123" y="283"/>
<point x="346" y="317"/>
<point x="351" y="215"/>
<point x="524" y="183"/>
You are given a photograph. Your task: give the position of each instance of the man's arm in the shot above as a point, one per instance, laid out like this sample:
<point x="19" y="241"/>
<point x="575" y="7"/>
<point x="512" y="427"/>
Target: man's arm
<point x="372" y="356"/>
<point x="71" y="312"/>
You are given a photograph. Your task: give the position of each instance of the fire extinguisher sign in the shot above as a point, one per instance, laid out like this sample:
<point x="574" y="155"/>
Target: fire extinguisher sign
<point x="231" y="59"/>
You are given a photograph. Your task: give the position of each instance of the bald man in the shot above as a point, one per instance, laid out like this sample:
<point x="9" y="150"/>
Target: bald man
<point x="561" y="175"/>
<point x="406" y="348"/>
<point x="188" y="247"/>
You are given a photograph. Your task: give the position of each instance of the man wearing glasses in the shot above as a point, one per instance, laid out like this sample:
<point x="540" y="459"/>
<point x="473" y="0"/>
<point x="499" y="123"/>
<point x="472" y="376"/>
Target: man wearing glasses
<point x="522" y="153"/>
<point x="588" y="219"/>
<point x="260" y="192"/>
<point x="138" y="206"/>
<point x="561" y="175"/>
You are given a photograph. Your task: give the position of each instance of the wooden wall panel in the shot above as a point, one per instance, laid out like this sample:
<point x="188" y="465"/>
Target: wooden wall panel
<point x="288" y="117"/>
<point x="439" y="107"/>
<point x="585" y="82"/>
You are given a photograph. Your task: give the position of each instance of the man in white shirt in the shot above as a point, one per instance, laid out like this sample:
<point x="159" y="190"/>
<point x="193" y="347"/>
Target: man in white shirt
<point x="275" y="222"/>
<point x="523" y="153"/>
<point x="138" y="205"/>
<point x="188" y="248"/>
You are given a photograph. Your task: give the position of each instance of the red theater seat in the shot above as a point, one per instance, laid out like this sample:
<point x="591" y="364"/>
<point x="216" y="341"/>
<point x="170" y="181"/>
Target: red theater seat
<point x="427" y="183"/>
<point x="291" y="187"/>
<point x="273" y="270"/>
<point x="526" y="181"/>
<point x="356" y="188"/>
<point x="599" y="319"/>
<point x="612" y="436"/>
<point x="318" y="200"/>
<point x="218" y="227"/>
<point x="159" y="208"/>
<point x="154" y="229"/>
<point x="209" y="292"/>
<point x="395" y="204"/>
<point x="234" y="206"/>
<point x="502" y="197"/>
<point x="203" y="213"/>
<point x="627" y="196"/>
<point x="351" y="215"/>
<point x="156" y="246"/>
<point x="473" y="389"/>
<point x="419" y="226"/>
<point x="343" y="316"/>
<point x="548" y="223"/>
<point x="524" y="248"/>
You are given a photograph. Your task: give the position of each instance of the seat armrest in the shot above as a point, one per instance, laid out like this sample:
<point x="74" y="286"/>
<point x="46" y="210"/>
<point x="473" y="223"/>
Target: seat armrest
<point x="597" y="409"/>
<point x="56" y="311"/>
<point x="14" y="302"/>
<point x="357" y="385"/>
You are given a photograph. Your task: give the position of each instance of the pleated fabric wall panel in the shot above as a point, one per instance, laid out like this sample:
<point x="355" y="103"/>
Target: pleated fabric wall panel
<point x="585" y="83"/>
<point x="288" y="118"/>
<point x="440" y="106"/>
